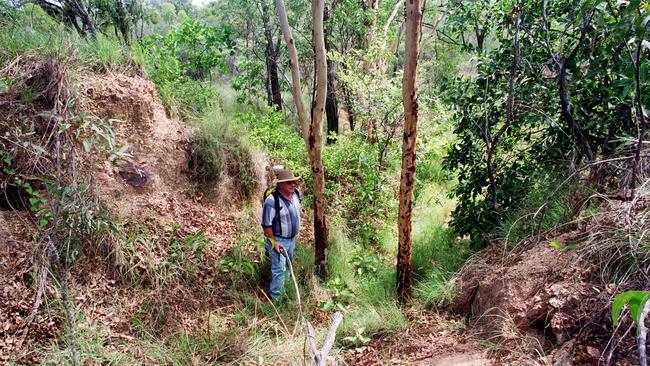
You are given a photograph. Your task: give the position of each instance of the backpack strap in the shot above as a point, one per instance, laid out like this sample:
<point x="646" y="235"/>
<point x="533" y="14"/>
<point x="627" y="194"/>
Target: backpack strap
<point x="278" y="207"/>
<point x="297" y="192"/>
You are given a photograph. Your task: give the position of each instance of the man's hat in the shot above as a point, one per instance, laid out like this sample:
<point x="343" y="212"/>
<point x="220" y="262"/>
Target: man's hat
<point x="286" y="175"/>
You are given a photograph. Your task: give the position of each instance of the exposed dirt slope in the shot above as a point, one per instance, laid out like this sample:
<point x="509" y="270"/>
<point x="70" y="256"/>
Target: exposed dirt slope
<point x="547" y="305"/>
<point x="157" y="145"/>
<point x="162" y="197"/>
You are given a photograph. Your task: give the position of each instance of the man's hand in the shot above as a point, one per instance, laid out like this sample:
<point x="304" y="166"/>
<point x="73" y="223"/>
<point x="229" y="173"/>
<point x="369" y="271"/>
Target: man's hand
<point x="277" y="247"/>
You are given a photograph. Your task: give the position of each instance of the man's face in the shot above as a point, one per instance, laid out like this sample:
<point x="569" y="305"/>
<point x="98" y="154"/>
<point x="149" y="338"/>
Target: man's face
<point x="287" y="188"/>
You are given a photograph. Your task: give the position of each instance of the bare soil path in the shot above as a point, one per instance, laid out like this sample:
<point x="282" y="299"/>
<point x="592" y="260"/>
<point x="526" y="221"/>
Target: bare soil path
<point x="432" y="340"/>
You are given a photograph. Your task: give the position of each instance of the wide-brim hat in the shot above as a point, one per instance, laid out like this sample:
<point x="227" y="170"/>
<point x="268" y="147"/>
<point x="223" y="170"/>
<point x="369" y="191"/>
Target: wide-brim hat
<point x="286" y="175"/>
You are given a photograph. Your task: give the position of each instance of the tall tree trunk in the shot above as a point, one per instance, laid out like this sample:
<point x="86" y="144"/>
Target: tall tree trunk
<point x="315" y="143"/>
<point x="407" y="180"/>
<point x="370" y="37"/>
<point x="312" y="133"/>
<point x="274" y="94"/>
<point x="331" y="104"/>
<point x="296" y="88"/>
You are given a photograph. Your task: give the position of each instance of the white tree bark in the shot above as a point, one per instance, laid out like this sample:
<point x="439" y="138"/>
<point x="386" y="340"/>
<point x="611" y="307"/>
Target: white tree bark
<point x="312" y="132"/>
<point x="642" y="334"/>
<point x="296" y="89"/>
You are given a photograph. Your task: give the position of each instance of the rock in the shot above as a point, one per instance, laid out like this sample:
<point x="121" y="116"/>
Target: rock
<point x="134" y="175"/>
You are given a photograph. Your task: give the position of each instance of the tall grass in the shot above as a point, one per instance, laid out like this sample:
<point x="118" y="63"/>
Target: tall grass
<point x="373" y="306"/>
<point x="437" y="252"/>
<point x="29" y="30"/>
<point x="529" y="220"/>
<point x="91" y="345"/>
<point x="220" y="148"/>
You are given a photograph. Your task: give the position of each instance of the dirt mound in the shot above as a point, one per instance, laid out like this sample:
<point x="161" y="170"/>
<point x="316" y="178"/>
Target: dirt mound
<point x="545" y="302"/>
<point x="118" y="96"/>
<point x="157" y="147"/>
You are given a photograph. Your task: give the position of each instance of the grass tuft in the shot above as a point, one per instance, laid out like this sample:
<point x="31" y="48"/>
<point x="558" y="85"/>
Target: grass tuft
<point x="219" y="149"/>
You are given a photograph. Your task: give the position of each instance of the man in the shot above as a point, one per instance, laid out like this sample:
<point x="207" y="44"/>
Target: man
<point x="281" y="223"/>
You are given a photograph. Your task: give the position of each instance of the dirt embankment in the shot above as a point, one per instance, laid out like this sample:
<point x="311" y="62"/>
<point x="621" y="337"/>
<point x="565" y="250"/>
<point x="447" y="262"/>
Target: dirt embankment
<point x="156" y="148"/>
<point x="145" y="187"/>
<point x="548" y="301"/>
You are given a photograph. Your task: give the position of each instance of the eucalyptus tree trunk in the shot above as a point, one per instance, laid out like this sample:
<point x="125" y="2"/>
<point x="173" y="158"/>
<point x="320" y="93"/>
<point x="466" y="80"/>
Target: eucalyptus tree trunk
<point x="407" y="180"/>
<point x="312" y="133"/>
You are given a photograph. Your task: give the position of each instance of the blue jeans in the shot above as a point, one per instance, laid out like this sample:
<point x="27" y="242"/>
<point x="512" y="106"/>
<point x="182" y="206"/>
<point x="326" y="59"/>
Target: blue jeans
<point x="279" y="265"/>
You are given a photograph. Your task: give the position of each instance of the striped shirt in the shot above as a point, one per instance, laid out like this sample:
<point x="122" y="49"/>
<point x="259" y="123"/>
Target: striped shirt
<point x="289" y="218"/>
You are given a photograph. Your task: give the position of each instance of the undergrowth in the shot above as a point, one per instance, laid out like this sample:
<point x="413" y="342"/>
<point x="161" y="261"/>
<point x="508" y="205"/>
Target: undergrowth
<point x="29" y="30"/>
<point x="220" y="149"/>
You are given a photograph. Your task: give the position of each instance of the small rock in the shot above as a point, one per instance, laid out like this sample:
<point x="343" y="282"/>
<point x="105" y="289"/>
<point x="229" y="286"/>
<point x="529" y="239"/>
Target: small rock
<point x="593" y="352"/>
<point x="134" y="175"/>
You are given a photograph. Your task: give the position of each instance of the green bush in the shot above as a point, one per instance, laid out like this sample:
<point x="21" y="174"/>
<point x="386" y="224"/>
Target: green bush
<point x="357" y="187"/>
<point x="280" y="140"/>
<point x="220" y="148"/>
<point x="180" y="62"/>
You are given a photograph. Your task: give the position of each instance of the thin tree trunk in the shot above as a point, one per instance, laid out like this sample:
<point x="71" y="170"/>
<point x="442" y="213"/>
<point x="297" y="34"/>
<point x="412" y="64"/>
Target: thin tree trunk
<point x="640" y="116"/>
<point x="407" y="180"/>
<point x="561" y="64"/>
<point x="396" y="63"/>
<point x="331" y="104"/>
<point x="312" y="133"/>
<point x="510" y="103"/>
<point x="370" y="37"/>
<point x="315" y="143"/>
<point x="347" y="99"/>
<point x="296" y="88"/>
<point x="82" y="10"/>
<point x="565" y="104"/>
<point x="274" y="93"/>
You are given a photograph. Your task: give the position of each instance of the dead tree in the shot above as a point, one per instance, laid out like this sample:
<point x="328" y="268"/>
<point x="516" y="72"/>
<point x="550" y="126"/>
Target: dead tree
<point x="270" y="53"/>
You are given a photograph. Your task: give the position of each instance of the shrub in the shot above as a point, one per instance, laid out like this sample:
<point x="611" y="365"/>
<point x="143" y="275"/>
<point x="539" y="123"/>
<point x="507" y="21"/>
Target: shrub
<point x="357" y="186"/>
<point x="282" y="141"/>
<point x="219" y="148"/>
<point x="179" y="62"/>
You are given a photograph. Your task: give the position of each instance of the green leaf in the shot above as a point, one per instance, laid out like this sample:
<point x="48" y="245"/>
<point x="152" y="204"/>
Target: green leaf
<point x="634" y="299"/>
<point x="555" y="244"/>
<point x="571" y="246"/>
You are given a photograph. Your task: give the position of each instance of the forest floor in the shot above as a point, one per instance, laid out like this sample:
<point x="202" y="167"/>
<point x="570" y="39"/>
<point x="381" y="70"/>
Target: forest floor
<point x="430" y="339"/>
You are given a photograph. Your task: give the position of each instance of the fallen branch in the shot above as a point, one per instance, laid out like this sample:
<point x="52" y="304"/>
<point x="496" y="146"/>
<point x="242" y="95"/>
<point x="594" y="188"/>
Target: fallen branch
<point x="319" y="355"/>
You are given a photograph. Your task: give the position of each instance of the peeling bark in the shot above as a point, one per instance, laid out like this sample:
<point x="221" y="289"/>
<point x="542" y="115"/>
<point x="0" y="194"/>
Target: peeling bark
<point x="409" y="93"/>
